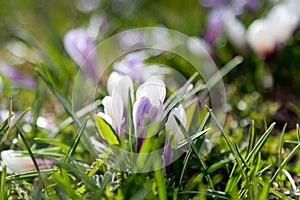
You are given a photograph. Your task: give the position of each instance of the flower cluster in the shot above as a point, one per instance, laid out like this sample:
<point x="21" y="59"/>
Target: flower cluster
<point x="147" y="109"/>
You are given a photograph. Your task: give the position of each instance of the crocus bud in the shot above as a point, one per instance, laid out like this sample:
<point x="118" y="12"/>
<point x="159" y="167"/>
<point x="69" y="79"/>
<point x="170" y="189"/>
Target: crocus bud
<point x="81" y="49"/>
<point x="17" y="163"/>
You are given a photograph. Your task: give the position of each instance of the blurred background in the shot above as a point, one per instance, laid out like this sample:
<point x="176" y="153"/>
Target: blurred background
<point x="265" y="87"/>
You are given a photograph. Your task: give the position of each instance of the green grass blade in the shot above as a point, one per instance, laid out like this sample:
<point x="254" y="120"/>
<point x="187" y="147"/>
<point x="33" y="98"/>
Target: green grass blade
<point x="46" y="78"/>
<point x="3" y="193"/>
<point x="223" y="71"/>
<point x="160" y="181"/>
<point x="63" y="146"/>
<point x="252" y="137"/>
<point x="217" y="166"/>
<point x="77" y="139"/>
<point x="189" y="152"/>
<point x="29" y="175"/>
<point x="281" y="142"/>
<point x="260" y="143"/>
<point x="194" y="148"/>
<point x="28" y="149"/>
<point x="15" y="124"/>
<point x="284" y="163"/>
<point x="228" y="141"/>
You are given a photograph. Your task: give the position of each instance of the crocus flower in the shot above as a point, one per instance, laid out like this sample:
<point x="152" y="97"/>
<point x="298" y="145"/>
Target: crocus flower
<point x="17" y="76"/>
<point x="267" y="34"/>
<point x="81" y="49"/>
<point x="174" y="133"/>
<point x="149" y="104"/>
<point x="115" y="106"/>
<point x="17" y="163"/>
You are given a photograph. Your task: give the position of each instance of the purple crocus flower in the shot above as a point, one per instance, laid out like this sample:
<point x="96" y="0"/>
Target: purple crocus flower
<point x="17" y="163"/>
<point x="150" y="97"/>
<point x="81" y="49"/>
<point x="17" y="76"/>
<point x="144" y="114"/>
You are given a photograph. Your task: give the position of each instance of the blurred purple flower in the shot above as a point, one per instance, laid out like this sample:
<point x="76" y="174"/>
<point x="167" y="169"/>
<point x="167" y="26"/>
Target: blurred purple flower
<point x="17" y="163"/>
<point x="81" y="49"/>
<point x="214" y="26"/>
<point x="134" y="66"/>
<point x="128" y="64"/>
<point x="17" y="76"/>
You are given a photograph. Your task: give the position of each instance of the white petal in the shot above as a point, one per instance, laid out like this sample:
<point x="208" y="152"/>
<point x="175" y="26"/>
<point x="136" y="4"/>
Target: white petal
<point x="112" y="81"/>
<point x="113" y="106"/>
<point x="235" y="31"/>
<point x="154" y="89"/>
<point x="17" y="163"/>
<point x="261" y="37"/>
<point x="108" y="107"/>
<point x="171" y="124"/>
<point x="123" y="87"/>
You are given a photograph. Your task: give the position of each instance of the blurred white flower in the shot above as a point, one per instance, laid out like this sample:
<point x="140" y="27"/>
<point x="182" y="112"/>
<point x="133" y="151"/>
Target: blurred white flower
<point x="265" y="34"/>
<point x="15" y="162"/>
<point x="235" y="30"/>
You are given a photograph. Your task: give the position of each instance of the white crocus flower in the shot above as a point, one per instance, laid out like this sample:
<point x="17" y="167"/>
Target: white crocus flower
<point x="173" y="129"/>
<point x="17" y="163"/>
<point x="265" y="34"/>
